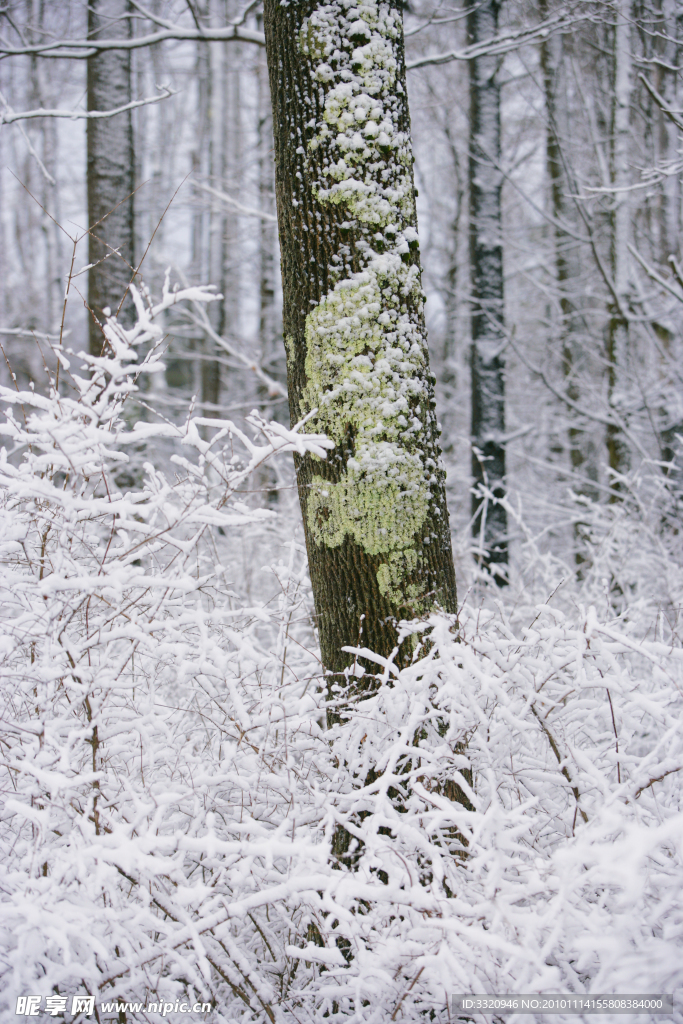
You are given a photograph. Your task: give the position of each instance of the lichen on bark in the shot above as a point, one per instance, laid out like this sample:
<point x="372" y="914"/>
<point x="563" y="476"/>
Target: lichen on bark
<point x="374" y="511"/>
<point x="365" y="353"/>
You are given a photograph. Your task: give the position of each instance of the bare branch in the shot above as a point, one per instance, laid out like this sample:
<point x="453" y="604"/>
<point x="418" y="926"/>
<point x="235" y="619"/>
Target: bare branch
<point x="247" y="210"/>
<point x="81" y="49"/>
<point x="652" y="273"/>
<point x="504" y="43"/>
<point x="661" y="103"/>
<point x="9" y="117"/>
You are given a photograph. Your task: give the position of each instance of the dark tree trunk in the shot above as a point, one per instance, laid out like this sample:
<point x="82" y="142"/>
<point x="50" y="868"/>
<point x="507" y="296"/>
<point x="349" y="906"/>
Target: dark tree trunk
<point x="374" y="511"/>
<point x="111" y="169"/>
<point x="486" y="261"/>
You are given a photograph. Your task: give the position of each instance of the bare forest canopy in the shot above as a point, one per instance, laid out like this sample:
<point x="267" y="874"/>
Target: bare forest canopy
<point x="253" y="744"/>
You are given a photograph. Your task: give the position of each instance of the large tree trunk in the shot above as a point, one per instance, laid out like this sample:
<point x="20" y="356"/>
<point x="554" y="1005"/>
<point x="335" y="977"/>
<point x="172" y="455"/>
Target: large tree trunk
<point x="486" y="262"/>
<point x="374" y="511"/>
<point x="111" y="168"/>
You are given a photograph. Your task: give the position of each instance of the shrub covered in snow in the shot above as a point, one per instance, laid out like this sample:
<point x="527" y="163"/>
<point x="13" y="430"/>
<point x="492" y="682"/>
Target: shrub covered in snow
<point x="177" y="823"/>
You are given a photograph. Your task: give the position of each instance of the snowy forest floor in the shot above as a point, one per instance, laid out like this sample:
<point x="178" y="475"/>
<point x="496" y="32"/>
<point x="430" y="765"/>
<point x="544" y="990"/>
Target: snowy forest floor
<point x="172" y="801"/>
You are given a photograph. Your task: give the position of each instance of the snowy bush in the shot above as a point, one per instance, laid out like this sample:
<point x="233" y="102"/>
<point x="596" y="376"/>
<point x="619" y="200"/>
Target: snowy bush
<point x="503" y="815"/>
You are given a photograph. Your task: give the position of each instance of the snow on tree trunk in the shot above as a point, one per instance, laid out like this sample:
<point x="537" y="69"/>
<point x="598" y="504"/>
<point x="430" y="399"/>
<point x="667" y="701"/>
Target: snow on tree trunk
<point x="618" y="329"/>
<point x="374" y="511"/>
<point x="111" y="169"/>
<point x="486" y="263"/>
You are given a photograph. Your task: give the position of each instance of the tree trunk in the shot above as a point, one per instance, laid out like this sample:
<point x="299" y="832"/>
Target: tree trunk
<point x="374" y="511"/>
<point x="111" y="169"/>
<point x="269" y="333"/>
<point x="618" y="328"/>
<point x="217" y="113"/>
<point x="667" y="51"/>
<point x="486" y="262"/>
<point x="582" y="449"/>
<point x="449" y="291"/>
<point x="270" y="327"/>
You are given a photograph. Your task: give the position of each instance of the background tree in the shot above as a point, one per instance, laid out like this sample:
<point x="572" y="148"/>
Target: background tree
<point x="567" y="325"/>
<point x="374" y="511"/>
<point x="486" y="268"/>
<point x="618" y="338"/>
<point x="111" y="169"/>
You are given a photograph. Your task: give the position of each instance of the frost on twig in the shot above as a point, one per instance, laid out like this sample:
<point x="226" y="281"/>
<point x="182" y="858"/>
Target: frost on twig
<point x="170" y="798"/>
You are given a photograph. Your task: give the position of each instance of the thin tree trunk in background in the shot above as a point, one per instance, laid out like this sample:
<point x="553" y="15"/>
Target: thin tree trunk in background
<point x="449" y="376"/>
<point x="582" y="449"/>
<point x="374" y="511"/>
<point x="217" y="114"/>
<point x="618" y="328"/>
<point x="234" y="171"/>
<point x="269" y="325"/>
<point x="40" y="96"/>
<point x="53" y="238"/>
<point x="268" y="314"/>
<point x="665" y="75"/>
<point x="486" y="268"/>
<point x="111" y="168"/>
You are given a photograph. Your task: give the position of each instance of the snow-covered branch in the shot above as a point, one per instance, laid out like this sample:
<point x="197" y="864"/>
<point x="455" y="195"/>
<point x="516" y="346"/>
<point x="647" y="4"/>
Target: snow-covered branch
<point x="248" y="211"/>
<point x="506" y="42"/>
<point x="9" y="115"/>
<point x="81" y="49"/>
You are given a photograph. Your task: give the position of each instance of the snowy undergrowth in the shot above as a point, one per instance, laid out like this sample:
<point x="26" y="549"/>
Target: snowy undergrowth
<point x="170" y="797"/>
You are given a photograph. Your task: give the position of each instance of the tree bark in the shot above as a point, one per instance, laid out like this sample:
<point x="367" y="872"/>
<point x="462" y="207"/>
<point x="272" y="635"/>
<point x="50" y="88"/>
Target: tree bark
<point x="582" y="449"/>
<point x="449" y="378"/>
<point x="111" y="169"/>
<point x="618" y="328"/>
<point x="667" y="51"/>
<point x="269" y="328"/>
<point x="217" y="113"/>
<point x="374" y="511"/>
<point x="486" y="263"/>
